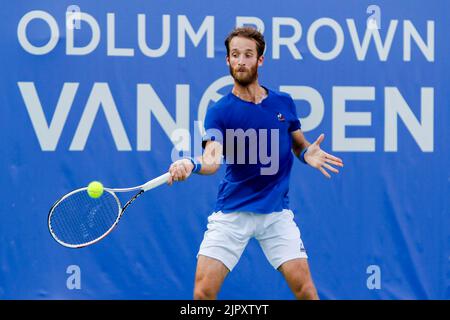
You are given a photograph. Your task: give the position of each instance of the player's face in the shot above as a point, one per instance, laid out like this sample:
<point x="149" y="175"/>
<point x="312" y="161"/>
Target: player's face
<point x="243" y="60"/>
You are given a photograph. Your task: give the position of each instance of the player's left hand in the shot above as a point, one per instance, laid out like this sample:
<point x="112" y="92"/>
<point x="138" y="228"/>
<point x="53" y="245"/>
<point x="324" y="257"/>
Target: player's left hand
<point x="319" y="159"/>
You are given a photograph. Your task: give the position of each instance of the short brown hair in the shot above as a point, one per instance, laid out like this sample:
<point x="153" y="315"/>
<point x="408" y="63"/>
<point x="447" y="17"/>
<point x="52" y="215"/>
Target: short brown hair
<point x="250" y="33"/>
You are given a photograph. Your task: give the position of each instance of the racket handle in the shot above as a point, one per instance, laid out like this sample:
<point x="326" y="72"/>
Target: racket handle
<point x="156" y="182"/>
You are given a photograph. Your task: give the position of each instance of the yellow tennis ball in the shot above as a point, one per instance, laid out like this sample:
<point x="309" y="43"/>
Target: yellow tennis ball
<point x="95" y="189"/>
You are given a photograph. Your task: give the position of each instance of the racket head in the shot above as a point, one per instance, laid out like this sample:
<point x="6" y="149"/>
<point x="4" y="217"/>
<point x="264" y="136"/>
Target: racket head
<point x="77" y="220"/>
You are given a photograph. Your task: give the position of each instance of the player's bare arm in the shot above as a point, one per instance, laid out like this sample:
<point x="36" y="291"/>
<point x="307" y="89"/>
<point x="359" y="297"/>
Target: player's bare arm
<point x="210" y="162"/>
<point x="314" y="155"/>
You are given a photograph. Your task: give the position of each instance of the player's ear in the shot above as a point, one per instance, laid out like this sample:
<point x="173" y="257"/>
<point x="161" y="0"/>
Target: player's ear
<point x="260" y="61"/>
<point x="227" y="58"/>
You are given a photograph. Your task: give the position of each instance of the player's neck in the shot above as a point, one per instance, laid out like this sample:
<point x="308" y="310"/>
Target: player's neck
<point x="251" y="93"/>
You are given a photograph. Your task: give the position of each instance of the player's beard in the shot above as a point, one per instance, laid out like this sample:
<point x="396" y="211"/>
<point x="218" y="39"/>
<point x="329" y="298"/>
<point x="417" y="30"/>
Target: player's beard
<point x="245" y="78"/>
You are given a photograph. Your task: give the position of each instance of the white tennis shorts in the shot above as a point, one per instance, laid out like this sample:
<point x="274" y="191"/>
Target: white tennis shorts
<point x="228" y="234"/>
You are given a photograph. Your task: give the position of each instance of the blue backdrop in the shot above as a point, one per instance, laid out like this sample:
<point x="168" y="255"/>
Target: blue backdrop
<point x="378" y="230"/>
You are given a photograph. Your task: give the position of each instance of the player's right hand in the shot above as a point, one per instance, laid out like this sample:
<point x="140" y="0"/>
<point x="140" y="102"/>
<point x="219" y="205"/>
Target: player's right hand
<point x="180" y="170"/>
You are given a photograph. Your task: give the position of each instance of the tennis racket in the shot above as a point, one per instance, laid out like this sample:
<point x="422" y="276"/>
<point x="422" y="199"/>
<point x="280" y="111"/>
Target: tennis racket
<point x="77" y="220"/>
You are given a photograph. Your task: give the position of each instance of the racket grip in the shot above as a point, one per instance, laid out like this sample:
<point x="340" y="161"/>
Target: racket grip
<point x="156" y="182"/>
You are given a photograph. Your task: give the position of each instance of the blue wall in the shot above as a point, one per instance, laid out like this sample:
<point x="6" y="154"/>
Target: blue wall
<point x="388" y="209"/>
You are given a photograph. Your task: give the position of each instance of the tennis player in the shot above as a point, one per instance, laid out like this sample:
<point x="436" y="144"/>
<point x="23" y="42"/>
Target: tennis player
<point x="252" y="202"/>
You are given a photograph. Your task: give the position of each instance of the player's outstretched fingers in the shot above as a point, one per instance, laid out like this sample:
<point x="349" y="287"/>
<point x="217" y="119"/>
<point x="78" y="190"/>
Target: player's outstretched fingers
<point x="337" y="160"/>
<point x="335" y="163"/>
<point x="319" y="139"/>
<point x="325" y="173"/>
<point x="330" y="168"/>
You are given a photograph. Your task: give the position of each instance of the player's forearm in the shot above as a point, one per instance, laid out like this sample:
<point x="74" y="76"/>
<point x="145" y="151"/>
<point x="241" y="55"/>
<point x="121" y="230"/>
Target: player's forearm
<point x="299" y="142"/>
<point x="211" y="158"/>
<point x="209" y="165"/>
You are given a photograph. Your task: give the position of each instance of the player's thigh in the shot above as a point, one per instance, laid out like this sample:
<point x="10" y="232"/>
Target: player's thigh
<point x="296" y="272"/>
<point x="210" y="273"/>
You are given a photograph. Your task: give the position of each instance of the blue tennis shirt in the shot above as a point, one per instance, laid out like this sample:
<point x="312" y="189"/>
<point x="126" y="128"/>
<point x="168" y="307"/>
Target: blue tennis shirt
<point x="256" y="140"/>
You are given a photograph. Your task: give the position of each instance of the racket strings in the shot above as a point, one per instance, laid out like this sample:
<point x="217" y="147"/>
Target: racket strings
<point x="79" y="219"/>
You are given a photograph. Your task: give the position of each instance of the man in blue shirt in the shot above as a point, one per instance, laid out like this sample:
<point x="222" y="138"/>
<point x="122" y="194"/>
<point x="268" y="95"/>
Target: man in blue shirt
<point x="255" y="129"/>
